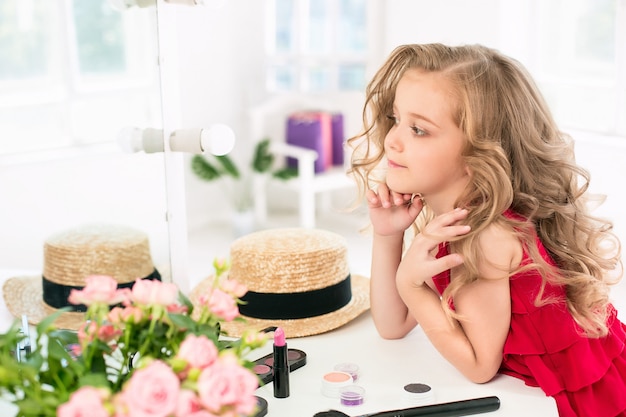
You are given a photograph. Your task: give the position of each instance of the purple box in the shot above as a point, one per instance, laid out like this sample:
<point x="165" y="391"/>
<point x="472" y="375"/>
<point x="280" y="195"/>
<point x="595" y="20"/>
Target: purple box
<point x="311" y="130"/>
<point x="338" y="138"/>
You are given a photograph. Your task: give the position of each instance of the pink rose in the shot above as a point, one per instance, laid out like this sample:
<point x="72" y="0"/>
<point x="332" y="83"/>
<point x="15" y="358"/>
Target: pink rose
<point x="228" y="384"/>
<point x="234" y="288"/>
<point x="254" y="338"/>
<point x="152" y="391"/>
<point x="198" y="351"/>
<point x="147" y="292"/>
<point x="115" y="315"/>
<point x="176" y="308"/>
<point x="107" y="333"/>
<point x="87" y="332"/>
<point x="221" y="304"/>
<point x="202" y="413"/>
<point x="129" y="314"/>
<point x="188" y="403"/>
<point x="85" y="402"/>
<point x="98" y="289"/>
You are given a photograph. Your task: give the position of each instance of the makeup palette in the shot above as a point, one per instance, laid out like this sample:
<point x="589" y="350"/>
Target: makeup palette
<point x="333" y="382"/>
<point x="261" y="407"/>
<point x="418" y="393"/>
<point x="263" y="367"/>
<point x="352" y="395"/>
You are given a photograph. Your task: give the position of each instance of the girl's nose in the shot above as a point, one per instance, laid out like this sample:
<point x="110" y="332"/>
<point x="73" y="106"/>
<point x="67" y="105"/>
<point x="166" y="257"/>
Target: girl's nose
<point x="393" y="141"/>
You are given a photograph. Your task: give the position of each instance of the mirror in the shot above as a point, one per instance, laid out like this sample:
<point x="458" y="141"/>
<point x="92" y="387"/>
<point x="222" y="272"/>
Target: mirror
<point x="73" y="73"/>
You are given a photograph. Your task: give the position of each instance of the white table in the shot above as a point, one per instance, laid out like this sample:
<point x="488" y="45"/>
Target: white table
<point x="386" y="366"/>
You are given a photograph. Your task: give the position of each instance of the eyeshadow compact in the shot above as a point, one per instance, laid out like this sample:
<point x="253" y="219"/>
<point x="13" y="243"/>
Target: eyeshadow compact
<point x="261" y="407"/>
<point x="263" y="367"/>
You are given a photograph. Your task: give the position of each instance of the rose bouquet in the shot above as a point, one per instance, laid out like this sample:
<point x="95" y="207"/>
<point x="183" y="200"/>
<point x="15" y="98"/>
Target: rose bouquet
<point x="153" y="355"/>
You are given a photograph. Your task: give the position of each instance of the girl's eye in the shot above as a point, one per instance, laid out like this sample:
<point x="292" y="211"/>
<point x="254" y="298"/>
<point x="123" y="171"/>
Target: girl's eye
<point x="417" y="131"/>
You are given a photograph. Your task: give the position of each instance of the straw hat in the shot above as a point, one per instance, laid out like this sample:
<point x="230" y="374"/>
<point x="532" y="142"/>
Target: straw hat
<point x="297" y="279"/>
<point x="71" y="256"/>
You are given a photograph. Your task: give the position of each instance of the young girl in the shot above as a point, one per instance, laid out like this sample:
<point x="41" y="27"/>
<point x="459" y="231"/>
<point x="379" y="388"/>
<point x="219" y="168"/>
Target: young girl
<point x="508" y="271"/>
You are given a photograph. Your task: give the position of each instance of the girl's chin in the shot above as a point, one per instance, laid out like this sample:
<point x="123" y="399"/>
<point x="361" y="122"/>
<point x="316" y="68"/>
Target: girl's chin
<point x="398" y="186"/>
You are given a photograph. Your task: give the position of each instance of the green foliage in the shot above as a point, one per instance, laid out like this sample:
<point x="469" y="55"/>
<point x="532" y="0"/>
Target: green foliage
<point x="207" y="171"/>
<point x="263" y="159"/>
<point x="105" y="352"/>
<point x="221" y="166"/>
<point x="228" y="166"/>
<point x="286" y="173"/>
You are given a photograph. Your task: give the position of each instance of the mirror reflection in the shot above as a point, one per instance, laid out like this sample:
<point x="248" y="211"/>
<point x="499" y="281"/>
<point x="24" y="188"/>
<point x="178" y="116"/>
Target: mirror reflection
<point x="72" y="75"/>
<point x="80" y="69"/>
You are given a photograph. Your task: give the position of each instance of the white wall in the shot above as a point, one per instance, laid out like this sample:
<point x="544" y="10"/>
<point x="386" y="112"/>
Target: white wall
<point x="219" y="55"/>
<point x="44" y="196"/>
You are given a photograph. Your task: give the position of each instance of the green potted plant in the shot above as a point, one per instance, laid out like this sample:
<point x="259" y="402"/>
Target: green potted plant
<point x="214" y="167"/>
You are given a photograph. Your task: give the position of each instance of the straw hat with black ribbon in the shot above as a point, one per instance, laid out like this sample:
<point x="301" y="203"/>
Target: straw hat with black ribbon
<point x="71" y="256"/>
<point x="297" y="279"/>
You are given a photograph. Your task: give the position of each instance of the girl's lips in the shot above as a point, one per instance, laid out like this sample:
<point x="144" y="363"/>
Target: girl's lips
<point x="392" y="164"/>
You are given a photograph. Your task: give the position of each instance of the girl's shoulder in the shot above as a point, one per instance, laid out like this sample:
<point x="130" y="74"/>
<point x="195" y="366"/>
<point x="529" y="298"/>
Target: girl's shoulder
<point x="502" y="251"/>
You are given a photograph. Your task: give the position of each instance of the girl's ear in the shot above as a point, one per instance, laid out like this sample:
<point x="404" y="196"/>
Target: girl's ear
<point x="468" y="171"/>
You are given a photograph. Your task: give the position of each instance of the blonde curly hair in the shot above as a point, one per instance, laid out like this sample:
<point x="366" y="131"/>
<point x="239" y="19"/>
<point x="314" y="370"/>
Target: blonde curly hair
<point x="518" y="160"/>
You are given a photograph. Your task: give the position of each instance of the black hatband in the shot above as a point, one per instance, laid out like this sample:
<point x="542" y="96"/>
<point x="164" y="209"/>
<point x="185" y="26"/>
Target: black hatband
<point x="296" y="305"/>
<point x="56" y="295"/>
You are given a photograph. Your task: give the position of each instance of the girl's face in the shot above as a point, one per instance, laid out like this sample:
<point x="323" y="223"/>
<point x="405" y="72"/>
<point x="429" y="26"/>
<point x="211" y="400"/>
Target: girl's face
<point x="423" y="148"/>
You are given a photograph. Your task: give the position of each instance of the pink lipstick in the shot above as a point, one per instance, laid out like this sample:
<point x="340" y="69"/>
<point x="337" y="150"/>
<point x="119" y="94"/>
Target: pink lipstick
<point x="281" y="365"/>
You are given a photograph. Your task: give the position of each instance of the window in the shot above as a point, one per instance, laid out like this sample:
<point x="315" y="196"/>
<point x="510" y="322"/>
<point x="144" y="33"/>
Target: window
<point x="316" y="45"/>
<point x="579" y="62"/>
<point x="74" y="72"/>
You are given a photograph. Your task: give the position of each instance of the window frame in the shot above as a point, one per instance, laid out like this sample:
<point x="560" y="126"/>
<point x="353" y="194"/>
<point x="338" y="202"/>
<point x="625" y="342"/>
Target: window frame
<point x="302" y="60"/>
<point x="64" y="90"/>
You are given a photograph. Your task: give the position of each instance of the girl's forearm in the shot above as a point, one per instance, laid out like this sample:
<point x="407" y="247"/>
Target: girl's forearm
<point x="446" y="335"/>
<point x="390" y="314"/>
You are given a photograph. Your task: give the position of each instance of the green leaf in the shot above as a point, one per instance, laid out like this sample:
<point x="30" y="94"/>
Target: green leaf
<point x="65" y="337"/>
<point x="46" y="325"/>
<point x="263" y="159"/>
<point x="286" y="173"/>
<point x="186" y="302"/>
<point x="183" y="321"/>
<point x="229" y="166"/>
<point x="95" y="379"/>
<point x="31" y="407"/>
<point x="203" y="168"/>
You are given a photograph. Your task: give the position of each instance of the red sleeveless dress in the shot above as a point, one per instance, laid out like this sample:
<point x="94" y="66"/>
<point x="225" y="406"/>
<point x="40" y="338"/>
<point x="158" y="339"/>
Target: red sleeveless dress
<point x="545" y="348"/>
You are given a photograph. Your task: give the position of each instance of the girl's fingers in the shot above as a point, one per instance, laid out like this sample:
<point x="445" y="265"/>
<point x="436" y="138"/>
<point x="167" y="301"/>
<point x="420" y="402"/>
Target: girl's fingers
<point x="444" y="227"/>
<point x="384" y="195"/>
<point x="372" y="198"/>
<point x="400" y="199"/>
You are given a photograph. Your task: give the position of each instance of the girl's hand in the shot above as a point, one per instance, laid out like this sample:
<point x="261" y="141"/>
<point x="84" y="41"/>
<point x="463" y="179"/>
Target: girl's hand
<point x="419" y="262"/>
<point x="391" y="212"/>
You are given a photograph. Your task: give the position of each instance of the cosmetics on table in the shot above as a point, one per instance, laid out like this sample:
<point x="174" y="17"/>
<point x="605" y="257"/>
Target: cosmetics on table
<point x="451" y="409"/>
<point x="418" y="394"/>
<point x="333" y="382"/>
<point x="264" y="366"/>
<point x="280" y="365"/>
<point x="350" y="368"/>
<point x="352" y="395"/>
<point x="261" y="407"/>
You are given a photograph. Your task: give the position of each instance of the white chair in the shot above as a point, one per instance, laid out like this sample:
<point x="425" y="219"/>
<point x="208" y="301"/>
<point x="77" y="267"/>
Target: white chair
<point x="268" y="120"/>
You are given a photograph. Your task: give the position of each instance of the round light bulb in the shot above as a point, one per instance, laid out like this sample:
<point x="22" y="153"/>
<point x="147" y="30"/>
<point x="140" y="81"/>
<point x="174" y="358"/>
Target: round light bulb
<point x="129" y="139"/>
<point x="219" y="139"/>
